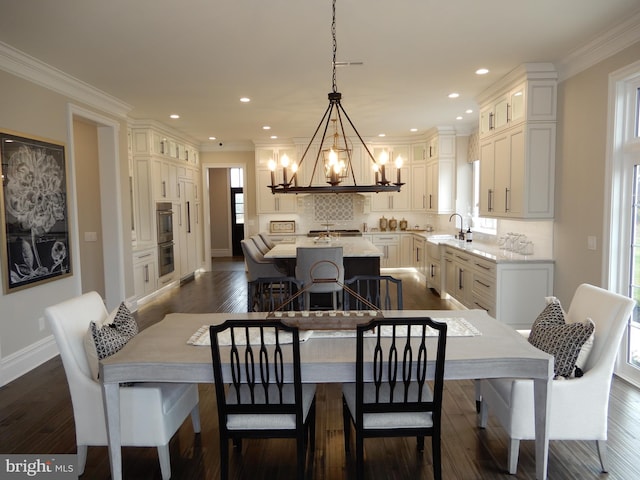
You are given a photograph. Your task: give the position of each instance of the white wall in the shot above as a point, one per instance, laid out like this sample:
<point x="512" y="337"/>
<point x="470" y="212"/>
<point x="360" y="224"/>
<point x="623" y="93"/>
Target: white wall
<point x="33" y="110"/>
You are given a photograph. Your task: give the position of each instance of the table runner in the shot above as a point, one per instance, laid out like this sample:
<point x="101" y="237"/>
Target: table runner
<point x="456" y="327"/>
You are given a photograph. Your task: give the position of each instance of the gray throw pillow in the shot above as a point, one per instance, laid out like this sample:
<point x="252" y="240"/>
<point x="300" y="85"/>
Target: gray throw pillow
<point x="563" y="340"/>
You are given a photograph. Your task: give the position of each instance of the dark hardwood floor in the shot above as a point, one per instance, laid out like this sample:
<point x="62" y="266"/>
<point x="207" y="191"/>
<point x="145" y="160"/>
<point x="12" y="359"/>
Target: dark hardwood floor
<point x="36" y="417"/>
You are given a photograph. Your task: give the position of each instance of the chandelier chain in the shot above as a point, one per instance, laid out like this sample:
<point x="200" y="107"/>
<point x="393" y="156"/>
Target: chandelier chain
<point x="335" y="46"/>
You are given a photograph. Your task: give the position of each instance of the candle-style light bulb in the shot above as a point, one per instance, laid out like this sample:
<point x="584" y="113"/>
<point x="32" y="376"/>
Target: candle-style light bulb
<point x="284" y="161"/>
<point x="376" y="170"/>
<point x="272" y="167"/>
<point x="398" y="168"/>
<point x="384" y="158"/>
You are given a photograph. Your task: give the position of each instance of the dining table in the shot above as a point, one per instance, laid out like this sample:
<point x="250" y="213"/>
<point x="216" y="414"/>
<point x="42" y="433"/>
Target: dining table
<point x="167" y="352"/>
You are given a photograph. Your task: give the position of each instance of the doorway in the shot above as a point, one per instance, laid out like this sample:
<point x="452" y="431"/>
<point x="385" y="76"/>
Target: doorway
<point x="111" y="227"/>
<point x="225" y="208"/>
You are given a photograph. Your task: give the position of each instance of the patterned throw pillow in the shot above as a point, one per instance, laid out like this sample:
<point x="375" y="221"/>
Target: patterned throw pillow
<point x="563" y="340"/>
<point x="106" y="338"/>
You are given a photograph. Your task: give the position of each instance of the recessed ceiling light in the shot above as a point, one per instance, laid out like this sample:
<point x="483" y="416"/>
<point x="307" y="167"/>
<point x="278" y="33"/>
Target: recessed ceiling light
<point x="459" y="117"/>
<point x="454" y="95"/>
<point x="468" y="111"/>
<point x="413" y="130"/>
<point x="266" y="127"/>
<point x="382" y="134"/>
<point x="273" y="137"/>
<point x="174" y="116"/>
<point x="212" y="138"/>
<point x="482" y="71"/>
<point x="245" y="99"/>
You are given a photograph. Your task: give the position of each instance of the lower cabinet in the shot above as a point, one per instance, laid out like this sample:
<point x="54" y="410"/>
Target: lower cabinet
<point x="433" y="264"/>
<point x="513" y="292"/>
<point x="389" y="244"/>
<point x="144" y="272"/>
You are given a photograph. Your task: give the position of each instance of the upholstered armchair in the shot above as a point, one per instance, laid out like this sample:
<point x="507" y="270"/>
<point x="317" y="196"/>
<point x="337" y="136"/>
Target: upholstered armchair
<point x="150" y="412"/>
<point x="579" y="406"/>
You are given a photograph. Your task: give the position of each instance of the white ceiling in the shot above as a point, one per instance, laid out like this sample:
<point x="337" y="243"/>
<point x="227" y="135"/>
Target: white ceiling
<point x="198" y="57"/>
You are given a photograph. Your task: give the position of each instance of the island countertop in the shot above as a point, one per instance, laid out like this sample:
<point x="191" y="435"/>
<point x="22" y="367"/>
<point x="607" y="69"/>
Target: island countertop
<point x="351" y="247"/>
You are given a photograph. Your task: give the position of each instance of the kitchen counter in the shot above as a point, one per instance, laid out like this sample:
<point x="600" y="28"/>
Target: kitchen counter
<point x="351" y="247"/>
<point x="489" y="251"/>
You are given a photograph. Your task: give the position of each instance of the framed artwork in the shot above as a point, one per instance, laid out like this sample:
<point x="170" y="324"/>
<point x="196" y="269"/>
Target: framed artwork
<point x="282" y="226"/>
<point x="33" y="209"/>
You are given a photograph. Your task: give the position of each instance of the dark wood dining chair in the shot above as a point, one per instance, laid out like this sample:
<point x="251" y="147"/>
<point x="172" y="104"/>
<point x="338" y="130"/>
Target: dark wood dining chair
<point x="265" y="398"/>
<point x="269" y="294"/>
<point x="392" y="396"/>
<point x="383" y="291"/>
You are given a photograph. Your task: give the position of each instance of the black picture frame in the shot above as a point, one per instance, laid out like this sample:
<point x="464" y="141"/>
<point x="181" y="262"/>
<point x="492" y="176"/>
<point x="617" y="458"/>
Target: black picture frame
<point x="33" y="211"/>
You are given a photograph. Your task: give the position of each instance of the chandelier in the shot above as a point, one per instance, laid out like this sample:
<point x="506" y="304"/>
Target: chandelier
<point x="334" y="155"/>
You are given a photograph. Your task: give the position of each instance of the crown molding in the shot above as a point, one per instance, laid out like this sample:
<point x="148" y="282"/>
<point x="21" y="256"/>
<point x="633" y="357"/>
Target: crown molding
<point x="609" y="43"/>
<point x="24" y="66"/>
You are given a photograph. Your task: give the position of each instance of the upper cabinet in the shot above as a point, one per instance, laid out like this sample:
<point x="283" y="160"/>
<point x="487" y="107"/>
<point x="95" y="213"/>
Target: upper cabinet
<point x="267" y="202"/>
<point x="394" y="201"/>
<point x="517" y="144"/>
<point x="158" y="164"/>
<point x="433" y="172"/>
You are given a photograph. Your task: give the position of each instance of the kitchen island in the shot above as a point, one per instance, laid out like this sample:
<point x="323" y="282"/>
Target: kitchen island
<point x="361" y="257"/>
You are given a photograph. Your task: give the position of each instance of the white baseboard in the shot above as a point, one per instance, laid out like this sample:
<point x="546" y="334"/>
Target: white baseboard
<point x="25" y="360"/>
<point x="221" y="252"/>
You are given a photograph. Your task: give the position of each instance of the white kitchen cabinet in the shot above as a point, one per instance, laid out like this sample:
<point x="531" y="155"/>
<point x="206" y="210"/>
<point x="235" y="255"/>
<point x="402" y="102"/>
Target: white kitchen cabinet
<point x="419" y="187"/>
<point x="459" y="275"/>
<point x="433" y="267"/>
<point x="517" y="172"/>
<point x="144" y="272"/>
<point x="188" y="230"/>
<point x="504" y="111"/>
<point x="144" y="213"/>
<point x="517" y="144"/>
<point x="513" y="292"/>
<point x="419" y="254"/>
<point x="165" y="180"/>
<point x="267" y="202"/>
<point x="433" y="173"/>
<point x="392" y="201"/>
<point x="406" y="250"/>
<point x="389" y="245"/>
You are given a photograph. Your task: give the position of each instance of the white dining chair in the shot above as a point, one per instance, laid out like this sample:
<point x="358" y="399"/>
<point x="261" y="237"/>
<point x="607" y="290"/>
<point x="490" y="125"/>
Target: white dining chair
<point x="579" y="406"/>
<point x="150" y="413"/>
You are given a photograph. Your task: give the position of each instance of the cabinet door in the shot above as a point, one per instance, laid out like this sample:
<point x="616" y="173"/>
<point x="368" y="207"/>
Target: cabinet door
<point x="433" y="185"/>
<point x="144" y="278"/>
<point x="502" y="174"/>
<point x="487" y="167"/>
<point x="501" y="112"/>
<point x="450" y="275"/>
<point x="266" y="202"/>
<point x="419" y="187"/>
<point x="486" y="121"/>
<point x="517" y="104"/>
<point x="406" y="251"/>
<point x="517" y="173"/>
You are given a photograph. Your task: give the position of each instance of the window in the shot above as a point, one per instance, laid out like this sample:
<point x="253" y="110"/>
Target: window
<point x="237" y="195"/>
<point x="633" y="346"/>
<point x="623" y="254"/>
<point x="236" y="177"/>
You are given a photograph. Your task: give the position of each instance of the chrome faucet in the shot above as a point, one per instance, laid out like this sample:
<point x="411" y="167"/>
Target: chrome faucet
<point x="461" y="233"/>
